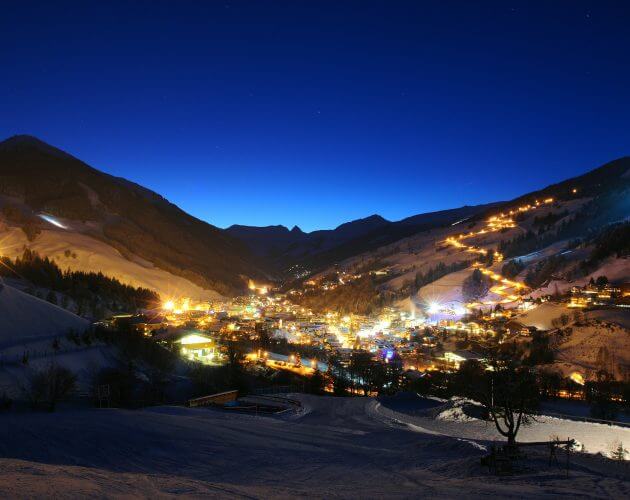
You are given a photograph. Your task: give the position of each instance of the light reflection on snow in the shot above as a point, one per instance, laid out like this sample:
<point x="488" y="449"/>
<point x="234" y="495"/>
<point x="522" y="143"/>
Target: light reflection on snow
<point x="52" y="220"/>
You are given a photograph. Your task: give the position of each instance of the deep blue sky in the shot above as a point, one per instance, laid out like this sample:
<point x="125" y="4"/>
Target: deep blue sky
<point x="315" y="113"/>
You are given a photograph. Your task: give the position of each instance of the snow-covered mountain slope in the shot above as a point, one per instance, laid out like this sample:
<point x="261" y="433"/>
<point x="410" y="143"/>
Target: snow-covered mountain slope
<point x="284" y="249"/>
<point x="42" y="187"/>
<point x="80" y="252"/>
<point x="34" y="334"/>
<point x="569" y="225"/>
<point x="595" y="345"/>
<point x="24" y="318"/>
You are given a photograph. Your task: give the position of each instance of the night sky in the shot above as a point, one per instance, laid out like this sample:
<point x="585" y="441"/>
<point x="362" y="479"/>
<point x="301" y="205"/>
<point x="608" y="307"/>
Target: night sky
<point x="316" y="113"/>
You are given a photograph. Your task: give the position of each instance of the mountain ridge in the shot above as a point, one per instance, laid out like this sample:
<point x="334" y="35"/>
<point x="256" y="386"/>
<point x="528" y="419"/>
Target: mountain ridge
<point x="144" y="226"/>
<point x="133" y="219"/>
<point x="283" y="249"/>
<point x="549" y="239"/>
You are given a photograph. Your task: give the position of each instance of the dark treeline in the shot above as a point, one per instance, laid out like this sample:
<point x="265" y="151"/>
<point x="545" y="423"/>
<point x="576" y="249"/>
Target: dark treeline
<point x="613" y="241"/>
<point x="550" y="219"/>
<point x="585" y="223"/>
<point x="361" y="296"/>
<point x="169" y="378"/>
<point x="143" y="372"/>
<point x="543" y="271"/>
<point x="93" y="293"/>
<point x="364" y="374"/>
<point x="475" y="286"/>
<point x="512" y="268"/>
<point x="608" y="398"/>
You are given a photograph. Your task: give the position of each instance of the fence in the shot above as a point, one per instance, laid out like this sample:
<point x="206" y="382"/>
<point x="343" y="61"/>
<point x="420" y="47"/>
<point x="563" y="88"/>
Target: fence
<point x="219" y="398"/>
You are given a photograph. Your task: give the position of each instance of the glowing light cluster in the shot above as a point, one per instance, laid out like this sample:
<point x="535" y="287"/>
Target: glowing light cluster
<point x="261" y="289"/>
<point x="434" y="308"/>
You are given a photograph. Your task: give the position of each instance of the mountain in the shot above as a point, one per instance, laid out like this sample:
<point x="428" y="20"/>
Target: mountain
<point x="87" y="220"/>
<point x="281" y="243"/>
<point x="547" y="240"/>
<point x="613" y="176"/>
<point x="283" y="249"/>
<point x="52" y="196"/>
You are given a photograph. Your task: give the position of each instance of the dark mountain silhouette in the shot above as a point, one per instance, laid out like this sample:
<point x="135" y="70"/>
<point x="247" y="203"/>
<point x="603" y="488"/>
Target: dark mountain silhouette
<point x="38" y="178"/>
<point x="607" y="187"/>
<point x="270" y="240"/>
<point x="611" y="176"/>
<point x="283" y="249"/>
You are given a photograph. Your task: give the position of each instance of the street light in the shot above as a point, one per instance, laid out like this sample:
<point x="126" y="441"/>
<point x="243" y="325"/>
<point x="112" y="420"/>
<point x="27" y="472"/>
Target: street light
<point x="434" y="308"/>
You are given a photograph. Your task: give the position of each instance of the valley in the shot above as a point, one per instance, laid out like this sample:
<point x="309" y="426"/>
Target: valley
<point x="360" y="249"/>
<point x="361" y="317"/>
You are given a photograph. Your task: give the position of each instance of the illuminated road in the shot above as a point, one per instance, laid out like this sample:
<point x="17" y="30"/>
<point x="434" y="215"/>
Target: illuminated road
<point x="298" y="370"/>
<point x="507" y="289"/>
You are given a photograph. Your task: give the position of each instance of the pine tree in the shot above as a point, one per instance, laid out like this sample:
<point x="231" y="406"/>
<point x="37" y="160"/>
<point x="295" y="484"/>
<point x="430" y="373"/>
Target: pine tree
<point x="51" y="297"/>
<point x="619" y="453"/>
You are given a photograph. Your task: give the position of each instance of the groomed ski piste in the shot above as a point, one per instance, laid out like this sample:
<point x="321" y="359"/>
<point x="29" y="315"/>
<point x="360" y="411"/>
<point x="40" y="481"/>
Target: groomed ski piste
<point x="330" y="448"/>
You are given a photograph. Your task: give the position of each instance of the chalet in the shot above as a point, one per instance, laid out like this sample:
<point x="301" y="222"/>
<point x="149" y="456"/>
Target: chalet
<point x="456" y="358"/>
<point x="195" y="345"/>
<point x="517" y="328"/>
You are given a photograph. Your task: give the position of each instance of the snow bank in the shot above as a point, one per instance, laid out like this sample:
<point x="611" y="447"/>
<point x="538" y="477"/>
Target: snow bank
<point x="542" y="316"/>
<point x="455" y="410"/>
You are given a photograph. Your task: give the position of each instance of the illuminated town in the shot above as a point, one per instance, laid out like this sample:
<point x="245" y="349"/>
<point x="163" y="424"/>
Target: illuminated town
<point x="428" y="337"/>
